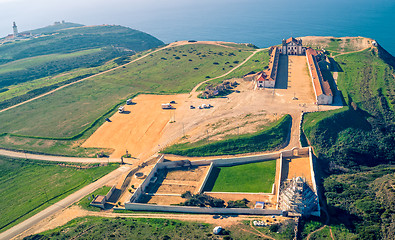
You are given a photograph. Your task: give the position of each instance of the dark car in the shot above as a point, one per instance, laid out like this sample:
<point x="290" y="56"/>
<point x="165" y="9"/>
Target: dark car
<point x="173" y="102"/>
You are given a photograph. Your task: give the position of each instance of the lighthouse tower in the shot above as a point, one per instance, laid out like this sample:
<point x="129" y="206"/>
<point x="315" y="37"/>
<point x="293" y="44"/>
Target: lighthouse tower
<point x="15" y="28"/>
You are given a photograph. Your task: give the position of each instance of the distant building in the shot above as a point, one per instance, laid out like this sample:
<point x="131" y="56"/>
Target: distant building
<point x="322" y="89"/>
<point x="15" y="28"/>
<point x="292" y="46"/>
<point x="267" y="78"/>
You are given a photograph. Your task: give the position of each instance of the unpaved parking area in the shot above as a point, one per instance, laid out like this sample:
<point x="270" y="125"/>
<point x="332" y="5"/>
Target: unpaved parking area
<point x="139" y="129"/>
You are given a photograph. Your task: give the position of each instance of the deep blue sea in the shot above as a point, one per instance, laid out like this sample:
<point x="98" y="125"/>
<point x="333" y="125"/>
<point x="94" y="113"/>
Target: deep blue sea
<point x="261" y="22"/>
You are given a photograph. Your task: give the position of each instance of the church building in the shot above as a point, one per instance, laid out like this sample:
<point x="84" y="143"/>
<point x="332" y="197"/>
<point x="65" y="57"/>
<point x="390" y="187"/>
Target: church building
<point x="292" y="46"/>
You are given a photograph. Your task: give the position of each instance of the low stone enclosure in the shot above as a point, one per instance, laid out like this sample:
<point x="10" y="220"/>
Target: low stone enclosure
<point x="158" y="185"/>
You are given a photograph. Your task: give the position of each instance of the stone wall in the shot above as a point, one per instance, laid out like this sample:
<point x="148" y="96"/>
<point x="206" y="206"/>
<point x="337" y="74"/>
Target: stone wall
<point x="206" y="178"/>
<point x="184" y="209"/>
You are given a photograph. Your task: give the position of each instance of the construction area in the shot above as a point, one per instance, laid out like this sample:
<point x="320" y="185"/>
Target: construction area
<point x="169" y="184"/>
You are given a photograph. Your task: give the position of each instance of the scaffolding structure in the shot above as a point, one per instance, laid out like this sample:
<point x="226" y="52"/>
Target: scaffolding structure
<point x="297" y="196"/>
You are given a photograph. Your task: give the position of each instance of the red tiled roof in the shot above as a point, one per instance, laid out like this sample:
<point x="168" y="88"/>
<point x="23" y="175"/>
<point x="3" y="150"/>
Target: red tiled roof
<point x="273" y="65"/>
<point x="291" y="39"/>
<point x="320" y="85"/>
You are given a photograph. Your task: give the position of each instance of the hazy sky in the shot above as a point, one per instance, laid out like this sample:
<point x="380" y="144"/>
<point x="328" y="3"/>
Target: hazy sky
<point x="30" y="14"/>
<point x="262" y="22"/>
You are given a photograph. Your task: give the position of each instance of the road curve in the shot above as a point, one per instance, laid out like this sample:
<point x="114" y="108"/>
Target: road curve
<point x="25" y="225"/>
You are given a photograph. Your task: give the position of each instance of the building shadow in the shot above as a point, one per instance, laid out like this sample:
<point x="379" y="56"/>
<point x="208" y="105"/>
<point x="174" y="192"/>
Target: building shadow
<point x="282" y="72"/>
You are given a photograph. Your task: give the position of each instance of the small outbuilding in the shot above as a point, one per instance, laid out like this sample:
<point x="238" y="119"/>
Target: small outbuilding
<point x="217" y="230"/>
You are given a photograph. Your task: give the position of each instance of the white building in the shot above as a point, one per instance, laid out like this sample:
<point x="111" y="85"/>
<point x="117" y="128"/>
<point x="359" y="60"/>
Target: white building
<point x="322" y="88"/>
<point x="292" y="46"/>
<point x="267" y="79"/>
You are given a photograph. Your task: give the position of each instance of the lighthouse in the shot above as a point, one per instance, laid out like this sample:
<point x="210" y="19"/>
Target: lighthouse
<point x="15" y="28"/>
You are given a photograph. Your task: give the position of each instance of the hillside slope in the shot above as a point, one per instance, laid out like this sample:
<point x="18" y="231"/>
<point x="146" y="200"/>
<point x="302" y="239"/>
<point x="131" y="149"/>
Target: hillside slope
<point x="363" y="132"/>
<point x="356" y="145"/>
<point x="31" y="67"/>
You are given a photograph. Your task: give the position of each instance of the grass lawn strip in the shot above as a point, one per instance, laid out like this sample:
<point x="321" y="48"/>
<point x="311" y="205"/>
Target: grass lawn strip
<point x="252" y="177"/>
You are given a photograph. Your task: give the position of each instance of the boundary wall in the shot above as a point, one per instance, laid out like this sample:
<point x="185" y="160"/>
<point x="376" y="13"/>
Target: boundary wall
<point x="184" y="209"/>
<point x="108" y="195"/>
<point x="206" y="178"/>
<point x="311" y="156"/>
<point x="136" y="195"/>
<point x="279" y="180"/>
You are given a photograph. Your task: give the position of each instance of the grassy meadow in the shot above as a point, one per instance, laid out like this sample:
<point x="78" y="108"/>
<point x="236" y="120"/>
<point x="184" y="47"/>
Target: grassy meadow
<point x="254" y="64"/>
<point x="252" y="177"/>
<point x="27" y="186"/>
<point x="269" y="138"/>
<point x="72" y="110"/>
<point x="140" y="228"/>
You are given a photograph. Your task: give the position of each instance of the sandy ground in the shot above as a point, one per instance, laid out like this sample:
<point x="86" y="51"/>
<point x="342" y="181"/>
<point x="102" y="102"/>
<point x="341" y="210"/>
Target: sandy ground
<point x="138" y="129"/>
<point x="269" y="199"/>
<point x="176" y="182"/>
<point x="355" y="43"/>
<point x="295" y="167"/>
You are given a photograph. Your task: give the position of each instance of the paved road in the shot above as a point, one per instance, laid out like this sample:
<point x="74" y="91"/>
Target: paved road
<point x="56" y="158"/>
<point x="25" y="225"/>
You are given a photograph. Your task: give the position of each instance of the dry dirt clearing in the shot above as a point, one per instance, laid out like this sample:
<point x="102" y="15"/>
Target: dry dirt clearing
<point x="139" y="128"/>
<point x="297" y="166"/>
<point x="178" y="181"/>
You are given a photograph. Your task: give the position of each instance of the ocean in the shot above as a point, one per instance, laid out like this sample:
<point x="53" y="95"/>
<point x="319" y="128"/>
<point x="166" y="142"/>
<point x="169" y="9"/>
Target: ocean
<point x="261" y="22"/>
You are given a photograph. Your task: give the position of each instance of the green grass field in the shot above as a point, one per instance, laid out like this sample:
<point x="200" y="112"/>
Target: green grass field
<point x="70" y="110"/>
<point x="252" y="177"/>
<point x="27" y="186"/>
<point x="138" y="228"/>
<point x="269" y="138"/>
<point x="363" y="76"/>
<point x="254" y="64"/>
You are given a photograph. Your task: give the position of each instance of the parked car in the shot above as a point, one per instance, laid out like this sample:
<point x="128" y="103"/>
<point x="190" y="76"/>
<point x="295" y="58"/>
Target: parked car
<point x="173" y="102"/>
<point x="192" y="107"/>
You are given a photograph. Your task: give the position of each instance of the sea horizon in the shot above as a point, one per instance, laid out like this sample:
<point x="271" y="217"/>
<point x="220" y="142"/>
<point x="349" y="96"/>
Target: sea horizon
<point x="263" y="23"/>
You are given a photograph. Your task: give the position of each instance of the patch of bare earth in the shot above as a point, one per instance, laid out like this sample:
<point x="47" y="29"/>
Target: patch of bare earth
<point x="345" y="43"/>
